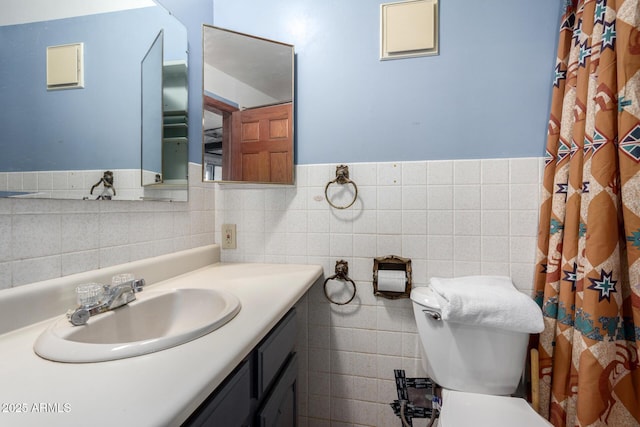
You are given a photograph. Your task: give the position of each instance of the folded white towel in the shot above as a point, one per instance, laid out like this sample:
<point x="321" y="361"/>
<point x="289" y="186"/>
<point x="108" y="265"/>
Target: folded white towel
<point x="491" y="301"/>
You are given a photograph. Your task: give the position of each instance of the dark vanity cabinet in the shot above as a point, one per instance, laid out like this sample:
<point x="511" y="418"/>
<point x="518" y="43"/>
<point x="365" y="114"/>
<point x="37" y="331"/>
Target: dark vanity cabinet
<point x="261" y="391"/>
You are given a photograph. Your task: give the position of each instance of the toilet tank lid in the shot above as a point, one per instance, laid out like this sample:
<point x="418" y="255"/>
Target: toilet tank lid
<point x="425" y="296"/>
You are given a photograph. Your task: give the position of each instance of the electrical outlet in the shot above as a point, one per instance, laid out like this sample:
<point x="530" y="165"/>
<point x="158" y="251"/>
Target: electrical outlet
<point x="228" y="236"/>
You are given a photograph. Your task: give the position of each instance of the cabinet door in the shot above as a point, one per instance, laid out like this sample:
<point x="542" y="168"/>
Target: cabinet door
<point x="279" y="407"/>
<point x="229" y="406"/>
<point x="273" y="352"/>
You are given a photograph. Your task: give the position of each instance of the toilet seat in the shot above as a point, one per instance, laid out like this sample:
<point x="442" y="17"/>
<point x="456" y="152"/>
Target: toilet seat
<point x="462" y="409"/>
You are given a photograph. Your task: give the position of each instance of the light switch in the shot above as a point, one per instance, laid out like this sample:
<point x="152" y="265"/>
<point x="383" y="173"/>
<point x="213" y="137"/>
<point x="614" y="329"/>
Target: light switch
<point x="409" y="29"/>
<point x="65" y="66"/>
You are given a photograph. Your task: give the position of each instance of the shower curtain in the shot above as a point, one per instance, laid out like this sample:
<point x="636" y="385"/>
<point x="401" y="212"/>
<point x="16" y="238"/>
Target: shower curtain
<point x="588" y="264"/>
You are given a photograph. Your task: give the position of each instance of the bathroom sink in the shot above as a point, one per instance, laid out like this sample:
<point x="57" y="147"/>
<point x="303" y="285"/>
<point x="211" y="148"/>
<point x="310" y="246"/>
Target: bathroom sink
<point x="155" y="321"/>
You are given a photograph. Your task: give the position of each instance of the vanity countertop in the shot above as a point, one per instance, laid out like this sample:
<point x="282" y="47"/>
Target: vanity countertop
<point x="157" y="389"/>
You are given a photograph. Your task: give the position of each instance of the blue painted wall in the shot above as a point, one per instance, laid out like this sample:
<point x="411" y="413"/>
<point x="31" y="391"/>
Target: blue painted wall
<point x="486" y="95"/>
<point x="38" y="130"/>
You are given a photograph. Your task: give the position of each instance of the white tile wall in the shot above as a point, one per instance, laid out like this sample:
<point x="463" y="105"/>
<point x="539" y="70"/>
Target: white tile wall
<point x="43" y="239"/>
<point x="437" y="212"/>
<point x="449" y="217"/>
<point x="70" y="184"/>
<point x="76" y="185"/>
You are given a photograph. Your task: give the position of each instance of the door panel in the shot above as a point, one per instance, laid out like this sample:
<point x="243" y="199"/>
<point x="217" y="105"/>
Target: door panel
<point x="262" y="144"/>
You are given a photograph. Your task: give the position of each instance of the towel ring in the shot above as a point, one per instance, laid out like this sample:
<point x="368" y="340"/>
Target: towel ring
<point x="342" y="178"/>
<point x="342" y="270"/>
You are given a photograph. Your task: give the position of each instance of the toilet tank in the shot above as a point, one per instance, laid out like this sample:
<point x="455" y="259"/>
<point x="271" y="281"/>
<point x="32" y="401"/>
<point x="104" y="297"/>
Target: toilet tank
<point x="465" y="357"/>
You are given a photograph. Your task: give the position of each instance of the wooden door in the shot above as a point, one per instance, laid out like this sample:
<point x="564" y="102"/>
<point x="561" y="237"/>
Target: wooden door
<point x="262" y="144"/>
<point x="225" y="110"/>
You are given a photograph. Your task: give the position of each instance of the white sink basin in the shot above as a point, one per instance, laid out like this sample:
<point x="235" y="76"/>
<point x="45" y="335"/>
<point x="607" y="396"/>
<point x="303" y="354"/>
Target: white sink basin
<point x="155" y="321"/>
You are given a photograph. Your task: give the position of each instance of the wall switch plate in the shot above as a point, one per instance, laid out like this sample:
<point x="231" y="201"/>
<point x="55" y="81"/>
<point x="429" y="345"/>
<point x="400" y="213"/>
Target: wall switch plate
<point x="228" y="236"/>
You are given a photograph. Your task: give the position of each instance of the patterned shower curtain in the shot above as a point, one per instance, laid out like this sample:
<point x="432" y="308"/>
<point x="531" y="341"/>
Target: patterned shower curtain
<point x="588" y="270"/>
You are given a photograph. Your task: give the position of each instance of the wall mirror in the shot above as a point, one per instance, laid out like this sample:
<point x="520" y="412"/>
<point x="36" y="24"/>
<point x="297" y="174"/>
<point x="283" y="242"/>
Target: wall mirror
<point x="248" y="85"/>
<point x="59" y="143"/>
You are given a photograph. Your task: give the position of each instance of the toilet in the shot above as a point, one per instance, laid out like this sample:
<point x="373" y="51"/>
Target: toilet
<point x="478" y="368"/>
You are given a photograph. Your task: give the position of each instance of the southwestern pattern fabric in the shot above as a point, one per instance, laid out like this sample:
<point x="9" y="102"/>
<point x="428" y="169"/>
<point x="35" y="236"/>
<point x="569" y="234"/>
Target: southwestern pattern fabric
<point x="588" y="268"/>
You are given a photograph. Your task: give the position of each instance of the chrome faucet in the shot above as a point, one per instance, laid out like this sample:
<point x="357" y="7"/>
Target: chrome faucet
<point x="95" y="299"/>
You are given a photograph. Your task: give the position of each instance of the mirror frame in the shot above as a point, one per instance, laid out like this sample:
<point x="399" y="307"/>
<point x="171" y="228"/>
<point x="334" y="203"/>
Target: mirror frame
<point x="226" y="110"/>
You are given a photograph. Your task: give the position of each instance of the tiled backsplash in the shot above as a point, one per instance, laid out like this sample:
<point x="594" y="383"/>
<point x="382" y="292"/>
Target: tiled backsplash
<point x="44" y="239"/>
<point x="77" y="185"/>
<point x="74" y="184"/>
<point x="450" y="217"/>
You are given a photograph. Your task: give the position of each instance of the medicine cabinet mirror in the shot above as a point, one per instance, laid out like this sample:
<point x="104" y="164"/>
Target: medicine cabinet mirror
<point x="248" y="85"/>
<point x="59" y="143"/>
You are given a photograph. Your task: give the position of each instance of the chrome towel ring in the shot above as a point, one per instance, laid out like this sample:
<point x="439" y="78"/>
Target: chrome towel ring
<point x="342" y="178"/>
<point x="342" y="273"/>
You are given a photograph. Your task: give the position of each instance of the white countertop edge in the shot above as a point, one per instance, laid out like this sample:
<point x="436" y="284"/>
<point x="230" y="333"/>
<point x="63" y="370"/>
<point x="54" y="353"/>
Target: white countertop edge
<point x="156" y="389"/>
<point x="28" y="304"/>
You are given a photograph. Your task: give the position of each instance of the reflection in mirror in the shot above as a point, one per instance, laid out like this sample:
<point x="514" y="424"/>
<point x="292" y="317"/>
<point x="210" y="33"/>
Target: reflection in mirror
<point x="60" y="143"/>
<point x="164" y="120"/>
<point x="248" y="108"/>
<point x="151" y="84"/>
<point x="175" y="155"/>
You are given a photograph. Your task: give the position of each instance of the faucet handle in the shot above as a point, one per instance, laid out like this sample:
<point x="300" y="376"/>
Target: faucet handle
<point x="89" y="295"/>
<point x="119" y="279"/>
<point x="137" y="285"/>
<point x="128" y="278"/>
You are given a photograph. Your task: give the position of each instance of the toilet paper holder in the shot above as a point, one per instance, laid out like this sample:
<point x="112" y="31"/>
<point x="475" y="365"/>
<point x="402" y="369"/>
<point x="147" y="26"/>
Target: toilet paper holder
<point x="391" y="263"/>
